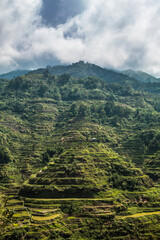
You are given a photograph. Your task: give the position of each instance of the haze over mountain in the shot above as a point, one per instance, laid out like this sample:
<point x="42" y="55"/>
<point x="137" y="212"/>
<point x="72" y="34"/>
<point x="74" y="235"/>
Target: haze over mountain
<point x="112" y="34"/>
<point x="13" y="74"/>
<point x="141" y="76"/>
<point x="82" y="69"/>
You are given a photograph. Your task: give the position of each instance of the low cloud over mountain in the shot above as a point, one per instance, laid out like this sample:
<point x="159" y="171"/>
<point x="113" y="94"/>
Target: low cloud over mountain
<point x="120" y="34"/>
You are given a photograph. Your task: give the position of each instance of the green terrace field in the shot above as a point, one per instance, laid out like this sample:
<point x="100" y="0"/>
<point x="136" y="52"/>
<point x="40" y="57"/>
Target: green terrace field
<point x="79" y="155"/>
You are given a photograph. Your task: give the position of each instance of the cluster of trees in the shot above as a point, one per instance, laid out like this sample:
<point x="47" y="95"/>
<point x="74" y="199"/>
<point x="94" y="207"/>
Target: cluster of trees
<point x="5" y="156"/>
<point x="65" y="87"/>
<point x="49" y="153"/>
<point x="99" y="111"/>
<point x="130" y="183"/>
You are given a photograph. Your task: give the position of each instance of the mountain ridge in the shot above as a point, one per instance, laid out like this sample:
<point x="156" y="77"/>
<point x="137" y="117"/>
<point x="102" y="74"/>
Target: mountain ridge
<point x="82" y="69"/>
<point x="141" y="76"/>
<point x="13" y="74"/>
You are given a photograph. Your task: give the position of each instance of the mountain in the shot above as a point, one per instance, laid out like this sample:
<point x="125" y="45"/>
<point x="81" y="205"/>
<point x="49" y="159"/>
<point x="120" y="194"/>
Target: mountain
<point x="13" y="74"/>
<point x="141" y="76"/>
<point x="82" y="70"/>
<point x="138" y="80"/>
<point x="79" y="155"/>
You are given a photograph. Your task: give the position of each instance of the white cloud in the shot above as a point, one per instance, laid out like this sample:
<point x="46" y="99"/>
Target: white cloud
<point x="18" y="20"/>
<point x="120" y="34"/>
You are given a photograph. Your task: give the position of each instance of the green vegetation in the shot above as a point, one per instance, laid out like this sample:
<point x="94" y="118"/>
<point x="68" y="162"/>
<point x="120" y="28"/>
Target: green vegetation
<point x="79" y="155"/>
<point x="141" y="76"/>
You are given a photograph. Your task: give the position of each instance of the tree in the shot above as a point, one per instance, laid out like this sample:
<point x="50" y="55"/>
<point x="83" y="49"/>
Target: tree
<point x="84" y="110"/>
<point x="46" y="73"/>
<point x="42" y="90"/>
<point x="4" y="155"/>
<point x="63" y="79"/>
<point x="45" y="157"/>
<point x="6" y="216"/>
<point x="109" y="107"/>
<point x="74" y="110"/>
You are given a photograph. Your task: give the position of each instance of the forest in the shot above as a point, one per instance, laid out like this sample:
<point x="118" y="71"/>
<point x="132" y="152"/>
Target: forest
<point x="79" y="154"/>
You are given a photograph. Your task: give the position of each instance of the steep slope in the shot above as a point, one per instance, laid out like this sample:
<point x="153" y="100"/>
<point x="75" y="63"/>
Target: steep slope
<point x="84" y="153"/>
<point x="141" y="76"/>
<point x="85" y="172"/>
<point x="152" y="165"/>
<point x="13" y="74"/>
<point x="138" y="80"/>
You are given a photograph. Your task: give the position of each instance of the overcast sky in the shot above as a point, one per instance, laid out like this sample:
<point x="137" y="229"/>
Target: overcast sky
<point x="117" y="34"/>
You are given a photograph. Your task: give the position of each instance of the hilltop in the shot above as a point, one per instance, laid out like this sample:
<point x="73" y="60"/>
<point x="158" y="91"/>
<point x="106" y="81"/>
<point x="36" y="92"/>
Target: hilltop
<point x="82" y="69"/>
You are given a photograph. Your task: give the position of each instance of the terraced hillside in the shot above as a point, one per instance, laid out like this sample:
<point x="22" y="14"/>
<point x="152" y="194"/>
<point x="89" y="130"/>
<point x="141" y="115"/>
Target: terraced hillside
<point x="79" y="157"/>
<point x="153" y="166"/>
<point x="85" y="172"/>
